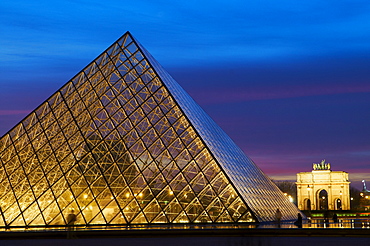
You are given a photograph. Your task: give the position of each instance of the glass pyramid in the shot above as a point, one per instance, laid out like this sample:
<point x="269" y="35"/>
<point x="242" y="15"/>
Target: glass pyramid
<point x="123" y="143"/>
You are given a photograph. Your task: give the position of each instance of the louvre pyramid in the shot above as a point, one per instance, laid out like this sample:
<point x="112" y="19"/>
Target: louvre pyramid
<point x="123" y="143"/>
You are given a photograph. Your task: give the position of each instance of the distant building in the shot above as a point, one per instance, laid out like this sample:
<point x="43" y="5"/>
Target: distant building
<point x="323" y="189"/>
<point x="364" y="198"/>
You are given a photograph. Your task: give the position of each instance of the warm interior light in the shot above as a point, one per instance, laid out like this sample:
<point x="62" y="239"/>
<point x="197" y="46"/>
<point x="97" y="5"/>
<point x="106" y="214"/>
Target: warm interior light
<point x="290" y="198"/>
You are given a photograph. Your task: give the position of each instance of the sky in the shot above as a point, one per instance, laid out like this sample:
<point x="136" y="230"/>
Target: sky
<point x="288" y="81"/>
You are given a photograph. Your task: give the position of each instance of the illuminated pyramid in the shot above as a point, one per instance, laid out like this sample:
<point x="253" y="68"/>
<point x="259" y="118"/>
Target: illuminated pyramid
<point x="123" y="143"/>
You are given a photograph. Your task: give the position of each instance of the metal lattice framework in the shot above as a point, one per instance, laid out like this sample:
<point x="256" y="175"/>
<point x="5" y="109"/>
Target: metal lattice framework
<point x="122" y="143"/>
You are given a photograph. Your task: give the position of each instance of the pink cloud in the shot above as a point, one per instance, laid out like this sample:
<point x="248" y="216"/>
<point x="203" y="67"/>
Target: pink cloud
<point x="14" y="112"/>
<point x="227" y="95"/>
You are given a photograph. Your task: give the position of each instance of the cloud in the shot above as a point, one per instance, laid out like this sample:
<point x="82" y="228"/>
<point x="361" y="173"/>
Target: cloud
<point x="360" y="176"/>
<point x="291" y="177"/>
<point x="365" y="153"/>
<point x="232" y="95"/>
<point x="14" y="112"/>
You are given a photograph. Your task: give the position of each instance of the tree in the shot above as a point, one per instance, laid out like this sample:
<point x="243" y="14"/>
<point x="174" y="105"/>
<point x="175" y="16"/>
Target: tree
<point x="287" y="187"/>
<point x="355" y="198"/>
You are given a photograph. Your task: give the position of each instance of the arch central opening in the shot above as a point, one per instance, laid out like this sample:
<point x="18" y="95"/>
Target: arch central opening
<point x="307" y="204"/>
<point x="338" y="204"/>
<point x="323" y="200"/>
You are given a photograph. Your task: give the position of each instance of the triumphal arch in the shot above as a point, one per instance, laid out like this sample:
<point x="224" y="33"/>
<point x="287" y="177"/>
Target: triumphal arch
<point x="323" y="189"/>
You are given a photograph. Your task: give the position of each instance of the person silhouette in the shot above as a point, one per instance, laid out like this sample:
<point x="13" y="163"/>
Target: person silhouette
<point x="298" y="222"/>
<point x="71" y="220"/>
<point x="278" y="216"/>
<point x="335" y="218"/>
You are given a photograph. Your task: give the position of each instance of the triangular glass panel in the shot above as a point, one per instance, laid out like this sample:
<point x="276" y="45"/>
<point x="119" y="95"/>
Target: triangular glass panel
<point x="203" y="218"/>
<point x="225" y="217"/>
<point x="51" y="212"/>
<point x="140" y="219"/>
<point x="215" y="209"/>
<point x="193" y="210"/>
<point x="36" y="221"/>
<point x="123" y="197"/>
<point x="31" y="212"/>
<point x="152" y="210"/>
<point x="165" y="197"/>
<point x="98" y="219"/>
<point x="161" y="218"/>
<point x="172" y="210"/>
<point x="131" y="210"/>
<point x="119" y="219"/>
<point x="57" y="220"/>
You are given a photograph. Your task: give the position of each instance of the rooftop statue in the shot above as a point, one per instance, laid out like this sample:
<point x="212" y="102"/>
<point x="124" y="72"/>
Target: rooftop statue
<point x="321" y="166"/>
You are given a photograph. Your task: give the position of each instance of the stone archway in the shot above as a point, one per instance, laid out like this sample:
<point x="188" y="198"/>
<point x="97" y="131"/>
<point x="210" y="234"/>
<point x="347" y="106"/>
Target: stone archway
<point x="322" y="200"/>
<point x="334" y="184"/>
<point x="338" y="204"/>
<point x="307" y="204"/>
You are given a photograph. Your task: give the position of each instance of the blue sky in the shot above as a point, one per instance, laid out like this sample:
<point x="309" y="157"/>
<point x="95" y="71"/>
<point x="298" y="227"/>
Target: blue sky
<point x="288" y="81"/>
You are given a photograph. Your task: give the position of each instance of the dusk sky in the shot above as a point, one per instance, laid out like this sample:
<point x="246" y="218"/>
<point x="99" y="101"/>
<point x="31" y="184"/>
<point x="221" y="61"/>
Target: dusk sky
<point x="288" y="81"/>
